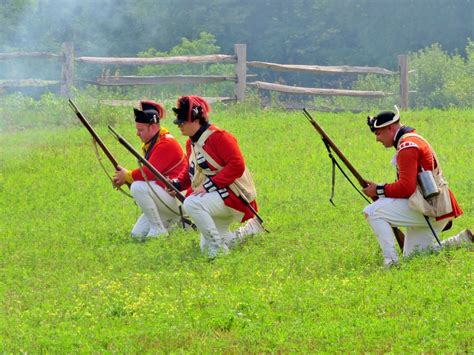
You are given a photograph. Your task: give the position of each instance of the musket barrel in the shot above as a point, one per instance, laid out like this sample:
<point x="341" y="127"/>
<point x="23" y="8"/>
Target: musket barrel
<point x="336" y="150"/>
<point x="93" y="133"/>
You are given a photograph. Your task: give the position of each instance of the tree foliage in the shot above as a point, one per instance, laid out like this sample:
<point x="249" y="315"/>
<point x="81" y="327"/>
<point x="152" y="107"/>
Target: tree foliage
<point x="357" y="32"/>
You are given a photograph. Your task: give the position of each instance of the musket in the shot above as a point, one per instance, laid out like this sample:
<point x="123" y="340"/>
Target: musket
<point x="362" y="182"/>
<point x="254" y="211"/>
<point x="250" y="207"/>
<point x="146" y="163"/>
<point x="99" y="141"/>
<point x="94" y="134"/>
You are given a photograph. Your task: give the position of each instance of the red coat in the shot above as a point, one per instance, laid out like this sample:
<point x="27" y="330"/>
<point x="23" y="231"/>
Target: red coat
<point x="166" y="156"/>
<point x="413" y="152"/>
<point x="224" y="149"/>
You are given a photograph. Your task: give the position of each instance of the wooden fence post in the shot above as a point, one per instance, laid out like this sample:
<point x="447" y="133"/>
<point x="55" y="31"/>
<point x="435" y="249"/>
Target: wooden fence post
<point x="240" y="71"/>
<point x="403" y="69"/>
<point x="67" y="72"/>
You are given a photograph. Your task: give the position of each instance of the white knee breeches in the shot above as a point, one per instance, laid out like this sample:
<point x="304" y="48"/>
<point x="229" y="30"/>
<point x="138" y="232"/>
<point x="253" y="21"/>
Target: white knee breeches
<point x="159" y="209"/>
<point x="386" y="213"/>
<point x="213" y="218"/>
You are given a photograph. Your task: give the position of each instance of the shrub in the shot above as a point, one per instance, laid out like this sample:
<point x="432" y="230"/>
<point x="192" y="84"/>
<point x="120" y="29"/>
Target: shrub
<point x="204" y="45"/>
<point x="439" y="79"/>
<point x="19" y="112"/>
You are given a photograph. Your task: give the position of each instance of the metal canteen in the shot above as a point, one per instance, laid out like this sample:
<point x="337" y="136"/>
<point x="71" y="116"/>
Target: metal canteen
<point x="427" y="184"/>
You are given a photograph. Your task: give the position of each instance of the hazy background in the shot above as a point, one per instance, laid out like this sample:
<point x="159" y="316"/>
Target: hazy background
<point x="320" y="32"/>
<point x="325" y="32"/>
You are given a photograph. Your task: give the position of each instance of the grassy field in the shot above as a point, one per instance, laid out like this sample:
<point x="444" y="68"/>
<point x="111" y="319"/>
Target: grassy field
<point x="73" y="281"/>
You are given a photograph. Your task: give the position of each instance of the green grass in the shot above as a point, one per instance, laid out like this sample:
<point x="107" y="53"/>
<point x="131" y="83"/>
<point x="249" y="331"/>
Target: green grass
<point x="73" y="281"/>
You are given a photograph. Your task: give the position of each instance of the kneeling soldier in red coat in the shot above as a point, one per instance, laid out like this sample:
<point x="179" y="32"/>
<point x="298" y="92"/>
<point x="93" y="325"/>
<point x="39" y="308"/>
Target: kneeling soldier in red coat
<point x="216" y="177"/>
<point x="393" y="207"/>
<point x="162" y="150"/>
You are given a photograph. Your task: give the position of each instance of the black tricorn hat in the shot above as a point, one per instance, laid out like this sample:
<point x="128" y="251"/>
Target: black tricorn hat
<point x="147" y="106"/>
<point x="182" y="111"/>
<point x="190" y="108"/>
<point x="146" y="116"/>
<point x="383" y="119"/>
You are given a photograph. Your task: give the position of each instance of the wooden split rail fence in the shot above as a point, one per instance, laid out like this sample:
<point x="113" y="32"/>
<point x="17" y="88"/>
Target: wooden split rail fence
<point x="239" y="58"/>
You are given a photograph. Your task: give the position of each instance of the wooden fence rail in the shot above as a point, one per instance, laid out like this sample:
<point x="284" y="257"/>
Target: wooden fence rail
<point x="18" y="83"/>
<point x="28" y="54"/>
<point x="163" y="79"/>
<point x="203" y="59"/>
<point x="315" y="91"/>
<point x="321" y="69"/>
<point x="239" y="58"/>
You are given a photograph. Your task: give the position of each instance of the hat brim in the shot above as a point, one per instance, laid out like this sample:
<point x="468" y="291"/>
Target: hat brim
<point x="179" y="121"/>
<point x="396" y="118"/>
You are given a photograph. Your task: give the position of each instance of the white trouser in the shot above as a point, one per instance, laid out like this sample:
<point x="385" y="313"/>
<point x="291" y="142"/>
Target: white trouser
<point x="157" y="212"/>
<point x="386" y="213"/>
<point x="213" y="219"/>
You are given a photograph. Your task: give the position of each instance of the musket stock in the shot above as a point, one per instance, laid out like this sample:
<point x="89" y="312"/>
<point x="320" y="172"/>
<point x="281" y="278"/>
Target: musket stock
<point x="362" y="182"/>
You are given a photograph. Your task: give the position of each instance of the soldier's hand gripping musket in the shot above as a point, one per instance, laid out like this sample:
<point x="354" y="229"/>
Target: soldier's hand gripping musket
<point x="331" y="147"/>
<point x="419" y="199"/>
